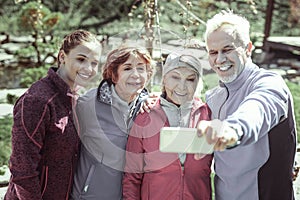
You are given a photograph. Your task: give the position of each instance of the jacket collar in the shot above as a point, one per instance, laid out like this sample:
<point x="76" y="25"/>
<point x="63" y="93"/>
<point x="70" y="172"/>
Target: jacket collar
<point x="59" y="83"/>
<point x="104" y="92"/>
<point x="240" y="80"/>
<point x="105" y="95"/>
<point x="196" y="104"/>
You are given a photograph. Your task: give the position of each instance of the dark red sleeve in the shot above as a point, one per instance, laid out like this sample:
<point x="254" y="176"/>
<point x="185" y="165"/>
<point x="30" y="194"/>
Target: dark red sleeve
<point x="30" y="116"/>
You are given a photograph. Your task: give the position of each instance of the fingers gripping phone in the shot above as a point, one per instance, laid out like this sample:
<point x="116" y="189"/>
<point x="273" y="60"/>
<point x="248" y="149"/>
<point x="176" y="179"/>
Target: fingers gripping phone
<point x="183" y="140"/>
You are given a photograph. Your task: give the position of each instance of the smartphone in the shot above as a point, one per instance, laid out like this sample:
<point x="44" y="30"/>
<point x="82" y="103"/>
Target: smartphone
<point x="183" y="140"/>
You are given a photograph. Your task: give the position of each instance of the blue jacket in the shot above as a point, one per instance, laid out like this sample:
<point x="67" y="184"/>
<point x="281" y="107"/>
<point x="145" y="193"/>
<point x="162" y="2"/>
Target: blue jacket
<point x="104" y="124"/>
<point x="261" y="166"/>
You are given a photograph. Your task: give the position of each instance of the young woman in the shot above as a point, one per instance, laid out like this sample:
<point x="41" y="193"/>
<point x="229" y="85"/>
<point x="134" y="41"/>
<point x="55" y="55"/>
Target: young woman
<point x="105" y="116"/>
<point x="45" y="142"/>
<point x="151" y="174"/>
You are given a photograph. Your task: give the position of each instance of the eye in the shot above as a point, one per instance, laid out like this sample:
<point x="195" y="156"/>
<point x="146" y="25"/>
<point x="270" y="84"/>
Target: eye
<point x="175" y="77"/>
<point x="94" y="64"/>
<point x="126" y="68"/>
<point x="213" y="53"/>
<point x="141" y="68"/>
<point x="80" y="59"/>
<point x="191" y="79"/>
<point x="228" y="50"/>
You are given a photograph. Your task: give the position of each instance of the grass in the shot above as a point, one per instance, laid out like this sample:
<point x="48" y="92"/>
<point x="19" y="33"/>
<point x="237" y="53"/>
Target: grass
<point x="295" y="90"/>
<point x="5" y="139"/>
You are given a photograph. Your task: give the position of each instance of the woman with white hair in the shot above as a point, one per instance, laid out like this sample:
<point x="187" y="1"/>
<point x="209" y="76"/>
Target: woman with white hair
<point x="155" y="175"/>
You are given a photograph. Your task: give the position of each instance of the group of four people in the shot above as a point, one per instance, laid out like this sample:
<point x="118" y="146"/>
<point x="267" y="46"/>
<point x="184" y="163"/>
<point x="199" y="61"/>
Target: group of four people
<point x="249" y="118"/>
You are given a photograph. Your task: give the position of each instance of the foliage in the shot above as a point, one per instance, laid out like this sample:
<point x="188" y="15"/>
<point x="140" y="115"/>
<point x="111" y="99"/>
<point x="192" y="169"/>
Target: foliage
<point x="47" y="50"/>
<point x="36" y="19"/>
<point x="295" y="90"/>
<point x="27" y="52"/>
<point x="11" y="98"/>
<point x="294" y="17"/>
<point x="31" y="75"/>
<point x="99" y="16"/>
<point x="5" y="139"/>
<point x="8" y="19"/>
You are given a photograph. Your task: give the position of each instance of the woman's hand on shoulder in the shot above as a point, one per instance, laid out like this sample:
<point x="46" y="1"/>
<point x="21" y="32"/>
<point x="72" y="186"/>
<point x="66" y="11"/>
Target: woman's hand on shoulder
<point x="149" y="103"/>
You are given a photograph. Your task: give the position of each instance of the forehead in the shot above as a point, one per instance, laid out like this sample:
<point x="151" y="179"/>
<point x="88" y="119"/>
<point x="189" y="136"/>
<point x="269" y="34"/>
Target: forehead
<point x="87" y="48"/>
<point x="183" y="71"/>
<point x="221" y="38"/>
<point x="135" y="57"/>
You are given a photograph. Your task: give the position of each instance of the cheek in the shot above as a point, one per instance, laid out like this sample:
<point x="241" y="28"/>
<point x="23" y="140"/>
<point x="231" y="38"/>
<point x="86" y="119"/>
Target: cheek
<point x="169" y="84"/>
<point x="144" y="76"/>
<point x="191" y="87"/>
<point x="120" y="80"/>
<point x="234" y="57"/>
<point x="211" y="61"/>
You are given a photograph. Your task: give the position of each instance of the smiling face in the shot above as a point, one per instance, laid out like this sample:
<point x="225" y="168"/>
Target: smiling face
<point x="227" y="56"/>
<point x="80" y="65"/>
<point x="132" y="78"/>
<point x="180" y="85"/>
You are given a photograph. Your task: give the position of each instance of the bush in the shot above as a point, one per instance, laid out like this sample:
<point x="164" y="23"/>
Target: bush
<point x="295" y="90"/>
<point x="5" y="139"/>
<point x="32" y="75"/>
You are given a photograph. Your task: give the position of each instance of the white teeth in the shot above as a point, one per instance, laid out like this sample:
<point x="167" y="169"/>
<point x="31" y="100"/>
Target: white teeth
<point x="224" y="68"/>
<point x="179" y="94"/>
<point x="134" y="83"/>
<point x="84" y="75"/>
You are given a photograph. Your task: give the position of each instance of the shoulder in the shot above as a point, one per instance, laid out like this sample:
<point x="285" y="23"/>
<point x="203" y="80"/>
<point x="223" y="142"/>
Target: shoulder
<point x="267" y="80"/>
<point x="156" y="118"/>
<point x="216" y="91"/>
<point x="88" y="96"/>
<point x="38" y="94"/>
<point x="86" y="102"/>
<point x="201" y="107"/>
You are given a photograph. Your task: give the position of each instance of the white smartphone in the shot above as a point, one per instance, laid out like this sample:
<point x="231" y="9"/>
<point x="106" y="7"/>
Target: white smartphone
<point x="183" y="140"/>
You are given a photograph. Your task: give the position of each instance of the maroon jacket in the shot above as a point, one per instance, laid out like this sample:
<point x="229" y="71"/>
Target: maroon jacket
<point x="45" y="142"/>
<point x="153" y="175"/>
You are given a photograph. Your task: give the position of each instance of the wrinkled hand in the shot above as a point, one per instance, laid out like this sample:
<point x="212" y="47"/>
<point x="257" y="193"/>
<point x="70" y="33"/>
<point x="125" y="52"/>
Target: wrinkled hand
<point x="149" y="103"/>
<point x="219" y="133"/>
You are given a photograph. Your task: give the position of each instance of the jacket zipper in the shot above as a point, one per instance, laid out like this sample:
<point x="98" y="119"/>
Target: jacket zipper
<point x="182" y="183"/>
<point x="219" y="113"/>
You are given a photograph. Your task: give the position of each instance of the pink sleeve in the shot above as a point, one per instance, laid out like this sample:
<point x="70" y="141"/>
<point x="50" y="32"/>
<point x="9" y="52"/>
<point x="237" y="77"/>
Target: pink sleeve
<point x="133" y="176"/>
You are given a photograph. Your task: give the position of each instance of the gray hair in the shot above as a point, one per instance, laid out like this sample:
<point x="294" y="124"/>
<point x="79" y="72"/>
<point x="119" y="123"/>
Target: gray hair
<point x="239" y="24"/>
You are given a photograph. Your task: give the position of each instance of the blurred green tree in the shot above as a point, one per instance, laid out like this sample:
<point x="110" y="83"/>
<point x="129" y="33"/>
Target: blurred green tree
<point x="36" y="19"/>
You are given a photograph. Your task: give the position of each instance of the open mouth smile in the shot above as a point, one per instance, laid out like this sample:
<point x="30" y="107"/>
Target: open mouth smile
<point x="134" y="84"/>
<point x="84" y="76"/>
<point x="179" y="94"/>
<point x="224" y="68"/>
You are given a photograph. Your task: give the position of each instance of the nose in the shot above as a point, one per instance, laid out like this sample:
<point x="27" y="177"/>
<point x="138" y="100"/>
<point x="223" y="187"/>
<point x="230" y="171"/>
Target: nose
<point x="220" y="58"/>
<point x="88" y="68"/>
<point x="182" y="85"/>
<point x="135" y="72"/>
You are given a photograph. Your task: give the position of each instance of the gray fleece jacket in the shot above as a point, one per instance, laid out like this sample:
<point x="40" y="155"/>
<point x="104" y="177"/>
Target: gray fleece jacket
<point x="259" y="102"/>
<point x="104" y="121"/>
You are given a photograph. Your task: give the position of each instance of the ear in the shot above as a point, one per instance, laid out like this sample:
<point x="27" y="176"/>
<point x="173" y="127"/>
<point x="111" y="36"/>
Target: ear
<point x="61" y="56"/>
<point x="249" y="49"/>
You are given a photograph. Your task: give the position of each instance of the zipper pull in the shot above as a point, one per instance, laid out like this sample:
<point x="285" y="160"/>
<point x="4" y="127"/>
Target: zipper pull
<point x="85" y="189"/>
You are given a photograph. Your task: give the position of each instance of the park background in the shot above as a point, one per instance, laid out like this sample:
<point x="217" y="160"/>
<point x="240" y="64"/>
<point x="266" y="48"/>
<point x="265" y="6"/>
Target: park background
<point x="31" y="32"/>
